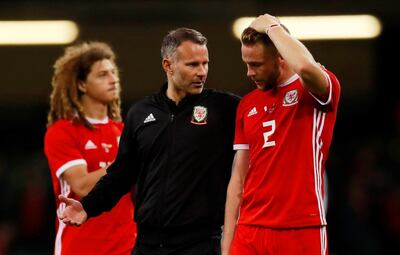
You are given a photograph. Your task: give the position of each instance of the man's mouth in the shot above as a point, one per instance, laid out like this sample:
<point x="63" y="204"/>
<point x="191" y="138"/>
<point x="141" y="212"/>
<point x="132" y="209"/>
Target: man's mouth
<point x="112" y="89"/>
<point x="198" y="83"/>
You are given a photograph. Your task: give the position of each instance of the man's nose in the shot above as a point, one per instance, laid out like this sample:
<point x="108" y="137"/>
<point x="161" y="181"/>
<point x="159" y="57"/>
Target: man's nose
<point x="114" y="78"/>
<point x="250" y="72"/>
<point x="203" y="70"/>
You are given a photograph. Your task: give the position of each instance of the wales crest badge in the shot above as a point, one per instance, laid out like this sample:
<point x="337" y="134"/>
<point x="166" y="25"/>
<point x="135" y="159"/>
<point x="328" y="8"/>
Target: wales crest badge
<point x="199" y="116"/>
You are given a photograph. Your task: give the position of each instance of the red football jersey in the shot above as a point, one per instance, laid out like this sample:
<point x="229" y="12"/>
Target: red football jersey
<point x="287" y="131"/>
<point x="69" y="144"/>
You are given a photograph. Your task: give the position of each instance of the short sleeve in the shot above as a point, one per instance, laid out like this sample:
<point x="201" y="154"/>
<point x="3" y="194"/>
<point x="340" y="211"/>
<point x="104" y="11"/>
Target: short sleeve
<point x="334" y="91"/>
<point x="62" y="150"/>
<point x="240" y="142"/>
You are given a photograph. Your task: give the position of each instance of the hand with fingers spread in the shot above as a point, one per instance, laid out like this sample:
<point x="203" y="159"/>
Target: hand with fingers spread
<point x="73" y="214"/>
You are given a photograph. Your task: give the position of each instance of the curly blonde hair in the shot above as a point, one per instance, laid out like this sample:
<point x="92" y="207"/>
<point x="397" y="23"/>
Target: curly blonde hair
<point x="74" y="66"/>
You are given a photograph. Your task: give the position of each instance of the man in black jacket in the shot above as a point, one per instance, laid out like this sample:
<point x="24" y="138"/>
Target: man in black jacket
<point x="176" y="148"/>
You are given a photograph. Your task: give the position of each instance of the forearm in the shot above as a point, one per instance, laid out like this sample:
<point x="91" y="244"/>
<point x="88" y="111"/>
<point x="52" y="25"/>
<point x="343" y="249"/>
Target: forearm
<point x="109" y="189"/>
<point x="299" y="60"/>
<point x="87" y="182"/>
<point x="234" y="197"/>
<point x="119" y="179"/>
<point x="232" y="206"/>
<point x="293" y="51"/>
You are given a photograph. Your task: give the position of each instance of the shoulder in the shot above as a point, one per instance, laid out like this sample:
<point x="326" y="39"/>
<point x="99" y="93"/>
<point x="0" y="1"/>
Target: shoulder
<point x="118" y="124"/>
<point x="61" y="131"/>
<point x="251" y="95"/>
<point x="60" y="126"/>
<point x="139" y="110"/>
<point x="222" y="95"/>
<point x="142" y="104"/>
<point x="249" y="100"/>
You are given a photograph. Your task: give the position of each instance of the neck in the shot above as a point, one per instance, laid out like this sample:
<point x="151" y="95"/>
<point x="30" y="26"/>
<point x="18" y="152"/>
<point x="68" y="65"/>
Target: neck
<point x="175" y="94"/>
<point x="286" y="73"/>
<point x="94" y="109"/>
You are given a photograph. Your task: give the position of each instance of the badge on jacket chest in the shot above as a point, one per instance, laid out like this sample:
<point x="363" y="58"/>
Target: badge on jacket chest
<point x="199" y="115"/>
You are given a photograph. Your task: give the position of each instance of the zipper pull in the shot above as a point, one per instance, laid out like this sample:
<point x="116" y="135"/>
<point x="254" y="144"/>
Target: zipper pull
<point x="171" y="117"/>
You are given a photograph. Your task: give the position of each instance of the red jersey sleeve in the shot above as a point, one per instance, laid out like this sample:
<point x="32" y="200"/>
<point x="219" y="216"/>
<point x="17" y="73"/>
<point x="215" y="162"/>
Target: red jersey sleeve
<point x="62" y="149"/>
<point x="334" y="92"/>
<point x="240" y="142"/>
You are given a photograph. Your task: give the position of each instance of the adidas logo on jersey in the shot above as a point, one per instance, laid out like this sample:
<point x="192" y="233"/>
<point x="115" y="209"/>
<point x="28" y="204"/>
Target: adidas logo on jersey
<point x="90" y="145"/>
<point x="149" y="118"/>
<point x="252" y="112"/>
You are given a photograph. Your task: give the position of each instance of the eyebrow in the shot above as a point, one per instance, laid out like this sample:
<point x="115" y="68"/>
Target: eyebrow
<point x="106" y="70"/>
<point x="253" y="62"/>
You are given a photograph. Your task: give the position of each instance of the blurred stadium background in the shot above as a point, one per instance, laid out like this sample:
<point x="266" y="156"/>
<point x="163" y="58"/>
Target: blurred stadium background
<point x="363" y="169"/>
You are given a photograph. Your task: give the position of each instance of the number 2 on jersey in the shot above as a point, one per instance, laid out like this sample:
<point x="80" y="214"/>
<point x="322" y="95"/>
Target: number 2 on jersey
<point x="271" y="124"/>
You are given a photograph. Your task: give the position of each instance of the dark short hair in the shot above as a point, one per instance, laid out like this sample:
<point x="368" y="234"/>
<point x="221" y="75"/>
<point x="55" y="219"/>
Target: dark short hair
<point x="251" y="36"/>
<point x="176" y="37"/>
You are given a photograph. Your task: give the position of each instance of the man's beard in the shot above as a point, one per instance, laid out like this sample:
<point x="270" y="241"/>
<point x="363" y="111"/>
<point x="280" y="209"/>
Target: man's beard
<point x="271" y="81"/>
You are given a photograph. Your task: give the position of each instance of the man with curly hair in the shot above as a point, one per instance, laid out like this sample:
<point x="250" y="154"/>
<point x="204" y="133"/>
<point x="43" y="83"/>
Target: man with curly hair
<point x="84" y="127"/>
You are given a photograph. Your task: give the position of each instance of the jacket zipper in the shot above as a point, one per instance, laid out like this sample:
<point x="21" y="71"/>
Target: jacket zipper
<point x="166" y="171"/>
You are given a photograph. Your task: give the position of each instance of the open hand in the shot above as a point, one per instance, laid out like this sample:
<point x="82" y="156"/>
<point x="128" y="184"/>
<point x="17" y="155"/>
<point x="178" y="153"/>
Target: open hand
<point x="73" y="214"/>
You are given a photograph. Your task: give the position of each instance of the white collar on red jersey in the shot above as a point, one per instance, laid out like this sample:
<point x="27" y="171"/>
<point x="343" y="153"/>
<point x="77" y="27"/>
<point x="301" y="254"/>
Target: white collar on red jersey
<point x="97" y="121"/>
<point x="290" y="80"/>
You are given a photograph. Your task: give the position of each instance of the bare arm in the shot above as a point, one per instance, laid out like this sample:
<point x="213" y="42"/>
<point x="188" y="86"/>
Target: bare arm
<point x="80" y="180"/>
<point x="234" y="197"/>
<point x="295" y="54"/>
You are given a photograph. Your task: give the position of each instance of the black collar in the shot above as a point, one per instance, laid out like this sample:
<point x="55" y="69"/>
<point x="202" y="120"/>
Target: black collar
<point x="188" y="99"/>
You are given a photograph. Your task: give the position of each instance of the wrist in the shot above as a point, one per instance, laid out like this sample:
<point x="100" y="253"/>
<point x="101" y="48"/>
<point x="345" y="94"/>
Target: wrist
<point x="272" y="26"/>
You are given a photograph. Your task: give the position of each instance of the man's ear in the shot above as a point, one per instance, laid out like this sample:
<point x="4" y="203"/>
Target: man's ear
<point x="280" y="58"/>
<point x="167" y="66"/>
<point x="82" y="86"/>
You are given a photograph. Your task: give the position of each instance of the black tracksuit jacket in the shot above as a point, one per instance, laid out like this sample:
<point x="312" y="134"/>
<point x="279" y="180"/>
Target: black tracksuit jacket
<point x="181" y="166"/>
